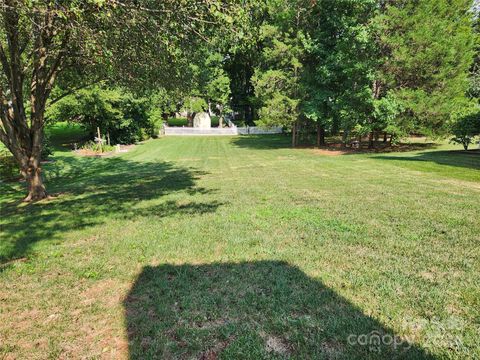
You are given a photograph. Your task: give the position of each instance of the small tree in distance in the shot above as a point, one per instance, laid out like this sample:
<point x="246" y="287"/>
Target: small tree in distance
<point x="465" y="129"/>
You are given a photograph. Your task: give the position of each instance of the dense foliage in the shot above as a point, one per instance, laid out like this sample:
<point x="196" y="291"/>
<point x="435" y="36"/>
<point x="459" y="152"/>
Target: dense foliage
<point x="141" y="44"/>
<point x="116" y="112"/>
<point x="350" y="67"/>
<point x="364" y="66"/>
<point x="277" y="78"/>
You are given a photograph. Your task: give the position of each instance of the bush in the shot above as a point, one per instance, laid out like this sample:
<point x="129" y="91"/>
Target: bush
<point x="118" y="113"/>
<point x="177" y="122"/>
<point x="157" y="128"/>
<point x="465" y="129"/>
<point x="215" y="120"/>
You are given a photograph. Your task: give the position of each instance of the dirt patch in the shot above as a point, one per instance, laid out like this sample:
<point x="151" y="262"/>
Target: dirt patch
<point x="107" y="292"/>
<point x="104" y="337"/>
<point x="332" y="152"/>
<point x="277" y="345"/>
<point x="207" y="325"/>
<point x="427" y="275"/>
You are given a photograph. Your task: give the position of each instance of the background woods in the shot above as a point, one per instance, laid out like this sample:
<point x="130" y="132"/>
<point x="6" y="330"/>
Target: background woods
<point x="350" y="68"/>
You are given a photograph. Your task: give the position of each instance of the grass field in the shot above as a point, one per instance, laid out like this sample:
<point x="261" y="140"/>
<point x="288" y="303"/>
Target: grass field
<point x="240" y="247"/>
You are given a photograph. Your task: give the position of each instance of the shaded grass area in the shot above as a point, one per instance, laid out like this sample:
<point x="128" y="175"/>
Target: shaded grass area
<point x="96" y="192"/>
<point x="429" y="161"/>
<point x="257" y="310"/>
<point x="240" y="247"/>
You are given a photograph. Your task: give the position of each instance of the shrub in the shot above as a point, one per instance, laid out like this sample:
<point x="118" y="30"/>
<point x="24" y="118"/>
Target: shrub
<point x="177" y="122"/>
<point x="465" y="129"/>
<point x="123" y="116"/>
<point x="215" y="120"/>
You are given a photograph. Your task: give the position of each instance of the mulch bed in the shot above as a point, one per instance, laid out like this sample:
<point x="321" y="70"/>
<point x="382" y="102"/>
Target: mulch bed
<point x="91" y="153"/>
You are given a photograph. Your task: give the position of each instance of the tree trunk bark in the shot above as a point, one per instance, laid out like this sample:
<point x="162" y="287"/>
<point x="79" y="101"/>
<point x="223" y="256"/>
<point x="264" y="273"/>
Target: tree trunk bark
<point x="344" y="138"/>
<point x="22" y="136"/>
<point x="33" y="177"/>
<point x="320" y="135"/>
<point x="190" y="117"/>
<point x="370" y="140"/>
<point x="385" y="137"/>
<point x="294" y="135"/>
<point x="220" y="119"/>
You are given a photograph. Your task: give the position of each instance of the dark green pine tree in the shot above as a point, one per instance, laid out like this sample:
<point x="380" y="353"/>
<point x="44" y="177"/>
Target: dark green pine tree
<point x="428" y="49"/>
<point x="339" y="68"/>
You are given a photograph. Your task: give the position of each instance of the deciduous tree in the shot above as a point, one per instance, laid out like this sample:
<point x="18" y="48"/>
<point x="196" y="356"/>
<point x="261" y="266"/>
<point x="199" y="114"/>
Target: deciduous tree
<point x="133" y="42"/>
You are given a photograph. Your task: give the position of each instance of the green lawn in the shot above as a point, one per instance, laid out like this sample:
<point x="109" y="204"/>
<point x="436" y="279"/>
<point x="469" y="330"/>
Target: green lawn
<point x="240" y="247"/>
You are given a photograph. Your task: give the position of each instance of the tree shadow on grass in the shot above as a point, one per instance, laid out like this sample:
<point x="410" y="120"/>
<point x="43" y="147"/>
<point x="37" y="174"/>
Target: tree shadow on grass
<point x="269" y="142"/>
<point x="93" y="191"/>
<point x="251" y="310"/>
<point x="458" y="158"/>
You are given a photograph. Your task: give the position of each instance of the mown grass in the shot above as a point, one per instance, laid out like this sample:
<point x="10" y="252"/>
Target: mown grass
<point x="240" y="247"/>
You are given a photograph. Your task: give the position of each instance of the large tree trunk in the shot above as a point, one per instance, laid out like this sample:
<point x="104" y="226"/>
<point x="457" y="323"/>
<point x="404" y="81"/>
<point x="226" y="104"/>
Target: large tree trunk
<point x="29" y="157"/>
<point x="220" y="117"/>
<point x="22" y="136"/>
<point x="33" y="177"/>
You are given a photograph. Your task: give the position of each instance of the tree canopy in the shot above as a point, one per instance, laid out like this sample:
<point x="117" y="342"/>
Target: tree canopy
<point x="354" y="67"/>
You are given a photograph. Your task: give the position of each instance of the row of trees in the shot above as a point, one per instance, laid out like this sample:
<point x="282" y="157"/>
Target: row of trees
<point x="366" y="67"/>
<point x="359" y="67"/>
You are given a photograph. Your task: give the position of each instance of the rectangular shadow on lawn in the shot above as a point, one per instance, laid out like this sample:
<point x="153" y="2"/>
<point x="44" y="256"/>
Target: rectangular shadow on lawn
<point x="254" y="310"/>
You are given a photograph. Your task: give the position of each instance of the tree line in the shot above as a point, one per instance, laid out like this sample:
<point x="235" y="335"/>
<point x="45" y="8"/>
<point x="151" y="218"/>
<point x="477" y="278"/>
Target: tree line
<point x="367" y="67"/>
<point x="351" y="67"/>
